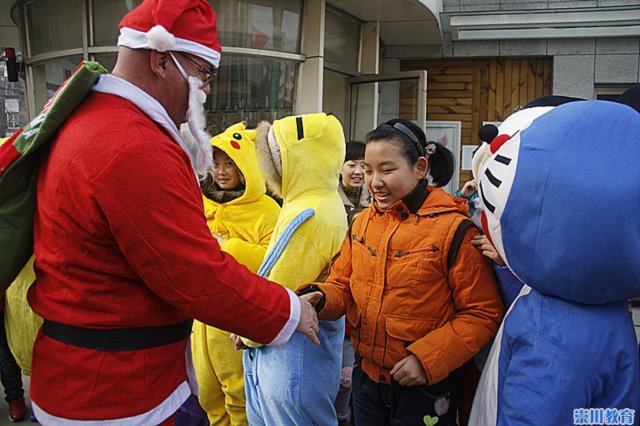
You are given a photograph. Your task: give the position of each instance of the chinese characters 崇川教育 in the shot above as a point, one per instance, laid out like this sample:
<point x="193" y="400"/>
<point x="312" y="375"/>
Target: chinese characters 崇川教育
<point x="603" y="416"/>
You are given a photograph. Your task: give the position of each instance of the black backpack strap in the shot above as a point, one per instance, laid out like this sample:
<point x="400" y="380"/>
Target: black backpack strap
<point x="463" y="227"/>
<point x="351" y="217"/>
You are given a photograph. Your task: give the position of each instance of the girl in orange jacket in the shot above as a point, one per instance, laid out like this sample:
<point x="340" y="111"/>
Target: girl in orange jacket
<point x="417" y="315"/>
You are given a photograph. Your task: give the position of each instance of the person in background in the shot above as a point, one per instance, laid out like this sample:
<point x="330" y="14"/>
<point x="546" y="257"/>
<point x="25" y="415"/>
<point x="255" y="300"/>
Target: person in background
<point x="10" y="372"/>
<point x="414" y="324"/>
<point x="355" y="198"/>
<point x="469" y="190"/>
<point x="241" y="217"/>
<point x="352" y="190"/>
<point x="300" y="157"/>
<point x="11" y="375"/>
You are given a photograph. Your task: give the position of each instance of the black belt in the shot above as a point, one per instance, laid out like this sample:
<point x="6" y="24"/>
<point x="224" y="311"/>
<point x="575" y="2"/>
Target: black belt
<point x="119" y="339"/>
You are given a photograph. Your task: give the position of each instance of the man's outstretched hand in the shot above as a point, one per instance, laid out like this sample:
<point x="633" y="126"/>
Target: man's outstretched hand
<point x="308" y="324"/>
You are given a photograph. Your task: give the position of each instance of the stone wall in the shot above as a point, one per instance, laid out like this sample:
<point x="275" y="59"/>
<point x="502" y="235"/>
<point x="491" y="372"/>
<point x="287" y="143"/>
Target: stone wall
<point x="579" y="65"/>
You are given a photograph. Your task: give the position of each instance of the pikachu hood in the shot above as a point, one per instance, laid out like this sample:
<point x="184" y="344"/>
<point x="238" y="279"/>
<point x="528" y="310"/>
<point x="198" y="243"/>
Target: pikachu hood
<point x="238" y="143"/>
<point x="245" y="222"/>
<point x="301" y="157"/>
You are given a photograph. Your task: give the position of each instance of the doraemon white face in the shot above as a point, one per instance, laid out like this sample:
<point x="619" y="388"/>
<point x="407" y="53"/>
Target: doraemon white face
<point x="494" y="167"/>
<point x="553" y="208"/>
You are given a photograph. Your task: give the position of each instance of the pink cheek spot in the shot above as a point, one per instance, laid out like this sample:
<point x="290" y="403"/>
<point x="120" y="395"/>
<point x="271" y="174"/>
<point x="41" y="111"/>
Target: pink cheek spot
<point x="235" y="144"/>
<point x="498" y="142"/>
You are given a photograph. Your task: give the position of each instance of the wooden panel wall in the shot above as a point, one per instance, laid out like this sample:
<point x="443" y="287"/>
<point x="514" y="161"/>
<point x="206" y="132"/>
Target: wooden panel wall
<point x="475" y="90"/>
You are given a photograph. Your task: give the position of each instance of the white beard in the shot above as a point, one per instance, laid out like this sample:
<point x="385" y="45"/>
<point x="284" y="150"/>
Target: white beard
<point x="193" y="131"/>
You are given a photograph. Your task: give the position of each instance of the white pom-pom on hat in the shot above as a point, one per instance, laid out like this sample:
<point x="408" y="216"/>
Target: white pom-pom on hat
<point x="160" y="39"/>
<point x="188" y="26"/>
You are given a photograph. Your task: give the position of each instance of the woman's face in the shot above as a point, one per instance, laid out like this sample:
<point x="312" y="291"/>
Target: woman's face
<point x="352" y="173"/>
<point x="388" y="174"/>
<point x="225" y="172"/>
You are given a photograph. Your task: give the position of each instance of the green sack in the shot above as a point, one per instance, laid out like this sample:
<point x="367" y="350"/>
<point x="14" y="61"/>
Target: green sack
<point x="19" y="159"/>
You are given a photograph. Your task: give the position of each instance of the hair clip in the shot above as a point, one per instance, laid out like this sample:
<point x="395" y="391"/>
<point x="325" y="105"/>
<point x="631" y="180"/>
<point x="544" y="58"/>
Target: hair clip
<point x="430" y="149"/>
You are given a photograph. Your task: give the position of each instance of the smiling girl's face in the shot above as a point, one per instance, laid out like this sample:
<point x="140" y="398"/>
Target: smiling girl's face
<point x="388" y="174"/>
<point x="225" y="172"/>
<point x="352" y="174"/>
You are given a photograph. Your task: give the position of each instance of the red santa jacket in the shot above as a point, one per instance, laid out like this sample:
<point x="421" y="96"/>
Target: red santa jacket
<point x="121" y="241"/>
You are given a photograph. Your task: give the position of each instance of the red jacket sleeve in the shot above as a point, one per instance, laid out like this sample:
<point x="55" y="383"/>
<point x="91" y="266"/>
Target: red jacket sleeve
<point x="153" y="207"/>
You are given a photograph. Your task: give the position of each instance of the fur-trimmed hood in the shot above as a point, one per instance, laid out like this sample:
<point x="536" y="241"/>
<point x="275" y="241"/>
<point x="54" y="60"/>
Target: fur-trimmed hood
<point x="301" y="154"/>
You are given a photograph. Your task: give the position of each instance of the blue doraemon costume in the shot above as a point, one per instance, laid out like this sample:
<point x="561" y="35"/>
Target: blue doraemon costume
<point x="561" y="194"/>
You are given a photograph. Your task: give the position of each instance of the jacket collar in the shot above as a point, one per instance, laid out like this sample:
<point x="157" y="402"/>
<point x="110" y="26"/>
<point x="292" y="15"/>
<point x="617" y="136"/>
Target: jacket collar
<point x="425" y="200"/>
<point x="110" y="84"/>
<point x="410" y="203"/>
<point x="415" y="199"/>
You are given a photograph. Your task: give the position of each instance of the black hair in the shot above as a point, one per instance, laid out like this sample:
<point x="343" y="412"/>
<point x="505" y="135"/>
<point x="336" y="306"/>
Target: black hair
<point x="354" y="152"/>
<point x="414" y="146"/>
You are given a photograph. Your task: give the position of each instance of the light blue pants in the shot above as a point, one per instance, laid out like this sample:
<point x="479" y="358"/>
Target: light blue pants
<point x="297" y="383"/>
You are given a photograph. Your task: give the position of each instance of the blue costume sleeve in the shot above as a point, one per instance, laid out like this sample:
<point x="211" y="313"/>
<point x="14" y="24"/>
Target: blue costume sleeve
<point x="508" y="284"/>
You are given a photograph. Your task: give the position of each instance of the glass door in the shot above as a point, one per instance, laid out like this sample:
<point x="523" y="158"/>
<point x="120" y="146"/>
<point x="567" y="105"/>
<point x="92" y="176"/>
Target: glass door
<point x="373" y="99"/>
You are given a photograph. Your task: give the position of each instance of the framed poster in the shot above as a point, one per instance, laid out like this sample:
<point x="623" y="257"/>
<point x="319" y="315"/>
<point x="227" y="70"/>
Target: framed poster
<point x="448" y="134"/>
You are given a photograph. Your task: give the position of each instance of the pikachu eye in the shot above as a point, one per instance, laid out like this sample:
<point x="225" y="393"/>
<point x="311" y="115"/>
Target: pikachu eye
<point x="237" y="136"/>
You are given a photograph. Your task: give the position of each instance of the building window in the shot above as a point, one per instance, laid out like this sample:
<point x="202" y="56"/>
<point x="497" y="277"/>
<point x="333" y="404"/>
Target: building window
<point x="259" y="24"/>
<point x="50" y="75"/>
<point x="609" y="93"/>
<point x="251" y="85"/>
<point x="251" y="89"/>
<point x="54" y="25"/>
<point x="341" y="41"/>
<point x="107" y="60"/>
<point x="334" y="94"/>
<point x="106" y="17"/>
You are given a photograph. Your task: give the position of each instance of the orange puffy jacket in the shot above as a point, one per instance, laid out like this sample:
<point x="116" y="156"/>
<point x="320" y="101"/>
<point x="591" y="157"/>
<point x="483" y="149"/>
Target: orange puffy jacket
<point x="392" y="281"/>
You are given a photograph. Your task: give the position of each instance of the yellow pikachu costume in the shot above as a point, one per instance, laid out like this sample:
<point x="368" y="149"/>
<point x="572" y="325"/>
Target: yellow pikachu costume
<point x="301" y="158"/>
<point x="246" y="224"/>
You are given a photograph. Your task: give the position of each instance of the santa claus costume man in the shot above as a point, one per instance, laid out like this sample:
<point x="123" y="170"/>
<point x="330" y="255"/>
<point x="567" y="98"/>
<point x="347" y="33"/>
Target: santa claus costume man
<point x="124" y="258"/>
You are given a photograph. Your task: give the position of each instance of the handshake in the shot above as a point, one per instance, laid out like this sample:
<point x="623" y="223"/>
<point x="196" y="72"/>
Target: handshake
<point x="307" y="325"/>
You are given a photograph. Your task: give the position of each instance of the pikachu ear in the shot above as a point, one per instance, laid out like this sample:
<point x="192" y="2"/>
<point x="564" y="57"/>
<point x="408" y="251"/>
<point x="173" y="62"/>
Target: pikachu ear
<point x="238" y="127"/>
<point x="251" y="134"/>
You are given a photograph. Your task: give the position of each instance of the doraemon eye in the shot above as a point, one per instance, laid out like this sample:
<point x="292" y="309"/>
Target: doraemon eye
<point x="495" y="169"/>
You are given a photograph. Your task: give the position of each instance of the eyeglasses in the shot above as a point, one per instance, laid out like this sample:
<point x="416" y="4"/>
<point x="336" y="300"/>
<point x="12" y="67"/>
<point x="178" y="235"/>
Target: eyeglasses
<point x="210" y="73"/>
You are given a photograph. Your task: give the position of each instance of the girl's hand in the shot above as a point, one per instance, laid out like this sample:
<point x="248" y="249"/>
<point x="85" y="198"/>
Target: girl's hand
<point x="346" y="374"/>
<point x="481" y="242"/>
<point x="237" y="342"/>
<point x="469" y="188"/>
<point x="409" y="372"/>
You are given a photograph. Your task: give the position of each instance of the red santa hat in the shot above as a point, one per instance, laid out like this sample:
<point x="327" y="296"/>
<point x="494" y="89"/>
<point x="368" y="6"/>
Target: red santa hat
<point x="180" y="25"/>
